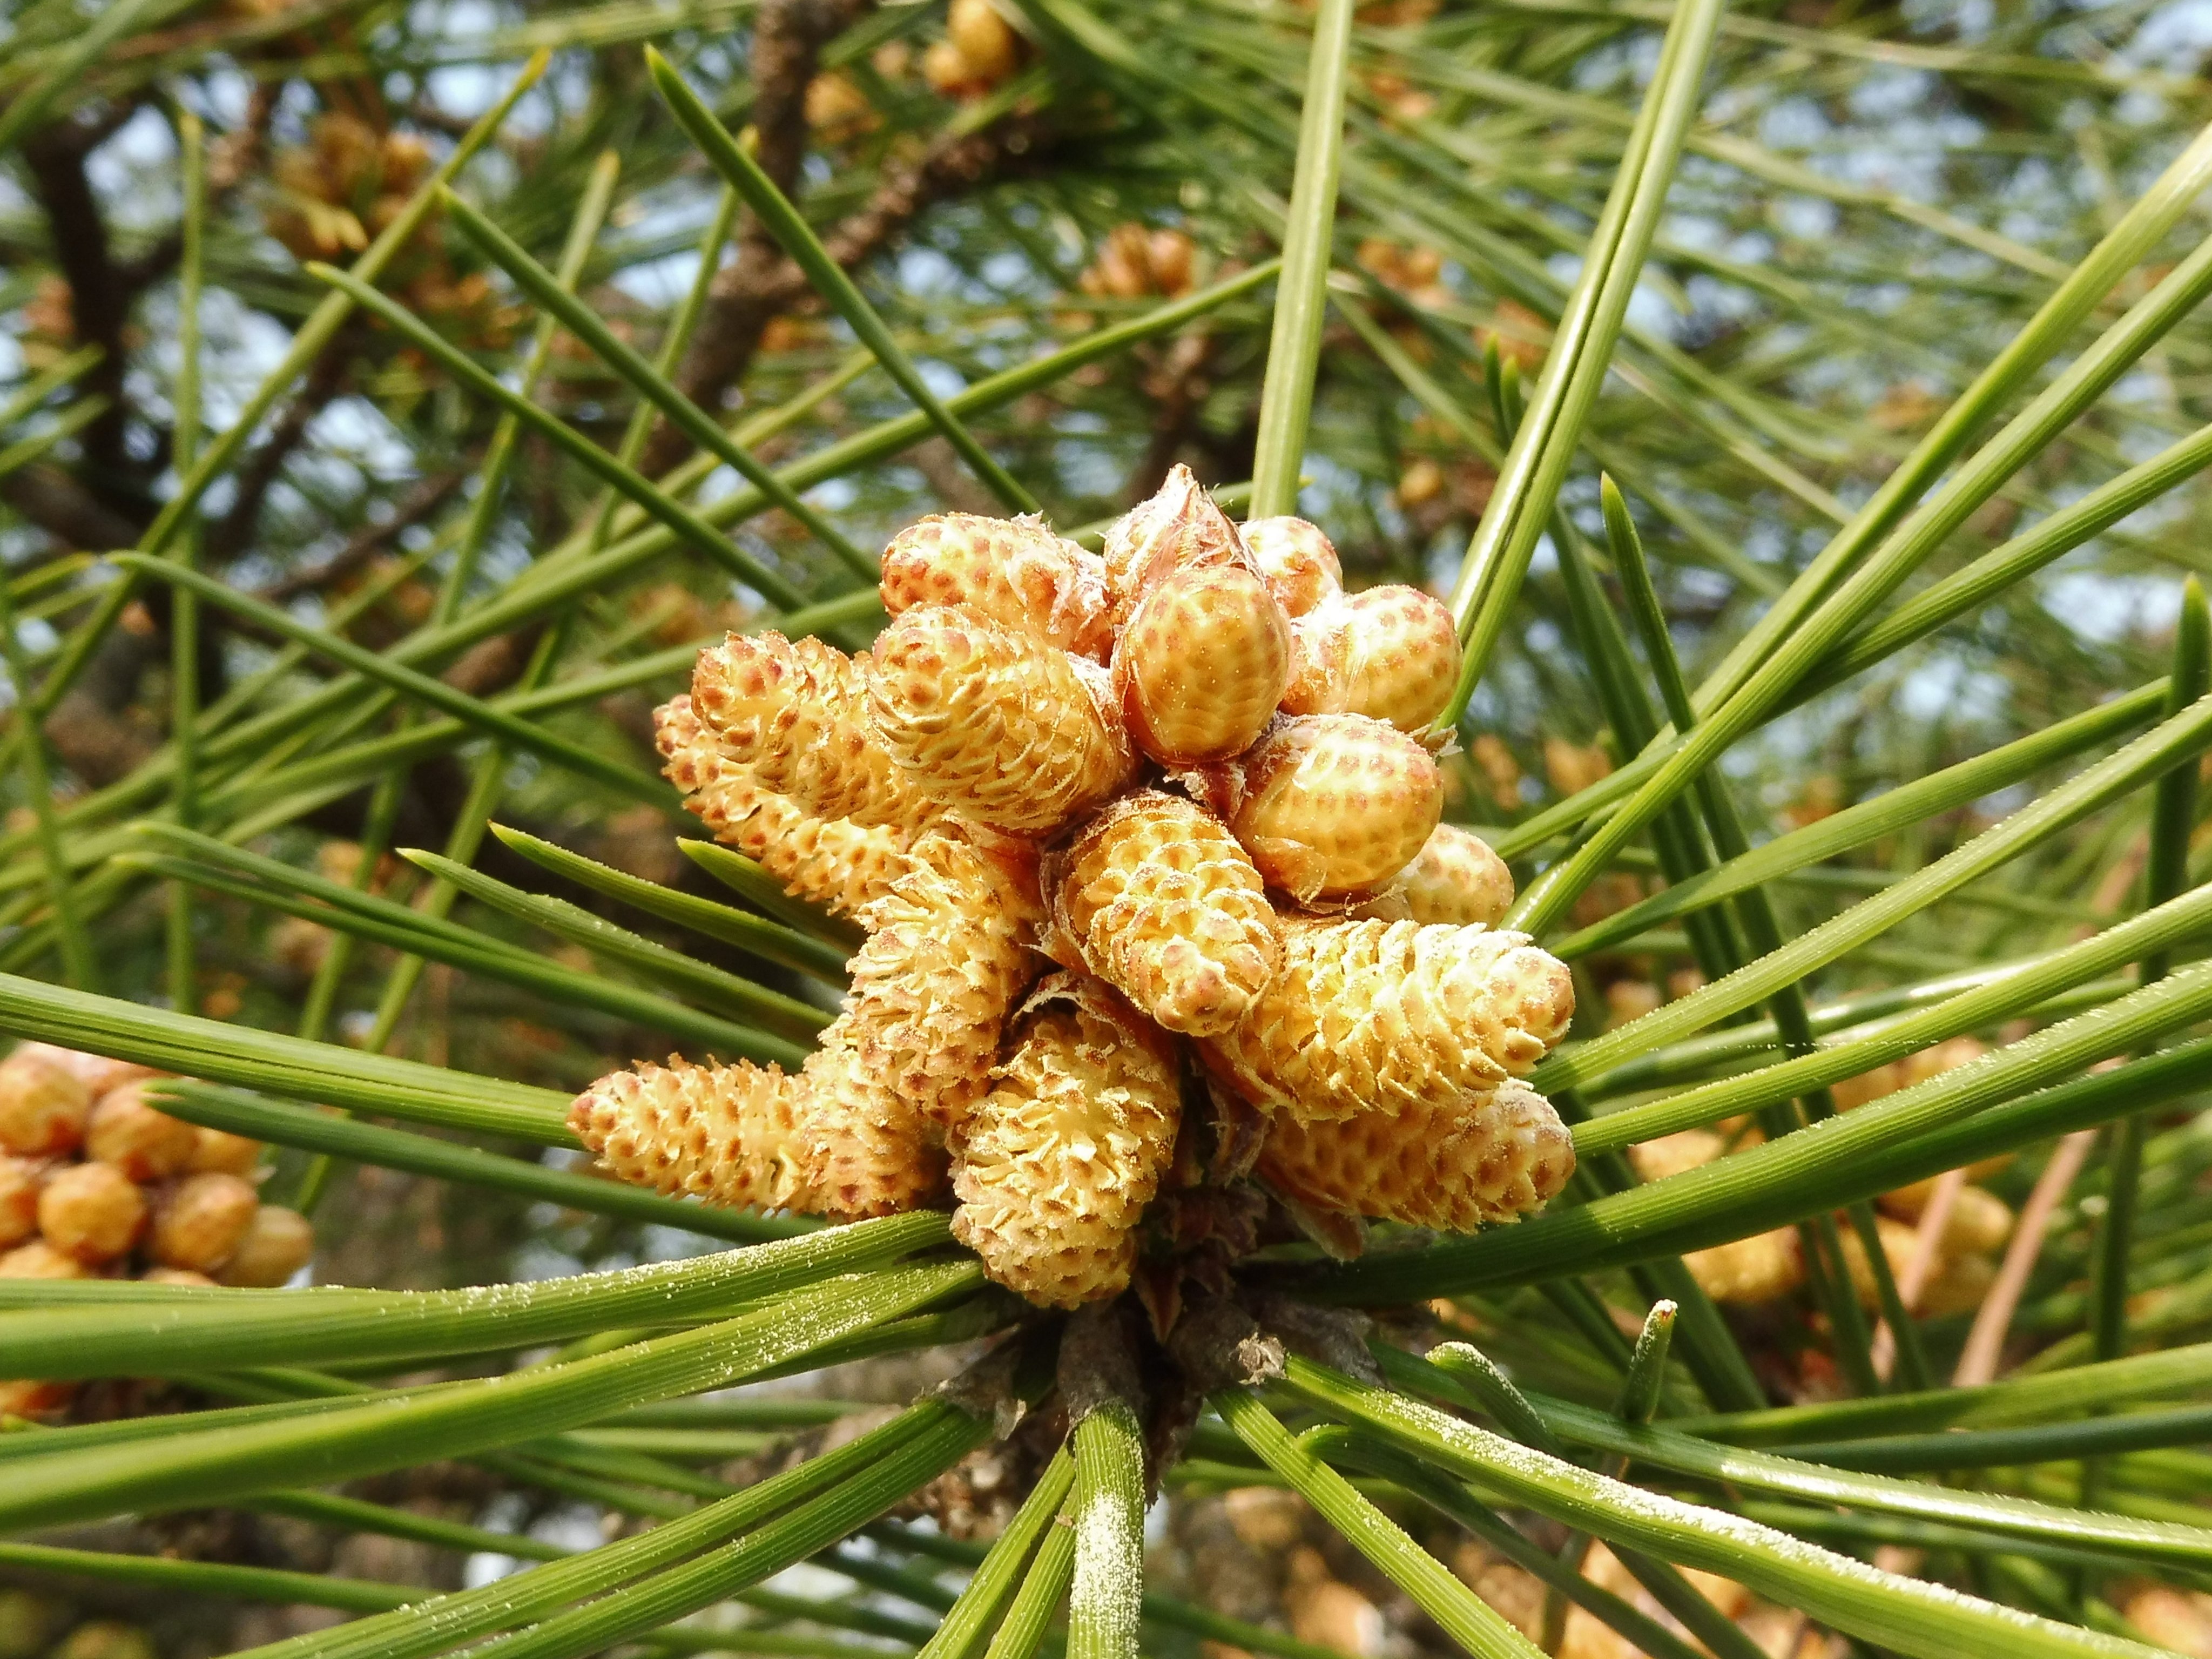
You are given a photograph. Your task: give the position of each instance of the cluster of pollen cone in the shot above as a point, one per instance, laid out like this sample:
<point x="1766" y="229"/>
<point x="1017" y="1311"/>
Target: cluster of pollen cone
<point x="1133" y="838"/>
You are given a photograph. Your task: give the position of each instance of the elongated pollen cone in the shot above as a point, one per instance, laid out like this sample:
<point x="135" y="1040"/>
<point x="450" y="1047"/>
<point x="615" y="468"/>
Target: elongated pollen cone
<point x="794" y="713"/>
<point x="1366" y="1014"/>
<point x="832" y="862"/>
<point x="1456" y="1163"/>
<point x="1013" y="571"/>
<point x="994" y="727"/>
<point x="1201" y="663"/>
<point x="1157" y="898"/>
<point x="1054" y="1167"/>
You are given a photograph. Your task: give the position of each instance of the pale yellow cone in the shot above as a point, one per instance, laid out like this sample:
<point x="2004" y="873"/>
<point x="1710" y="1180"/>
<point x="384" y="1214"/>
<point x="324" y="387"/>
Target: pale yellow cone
<point x="1456" y="1164"/>
<point x="1156" y="897"/>
<point x="1054" y="1167"/>
<point x="1013" y="571"/>
<point x="993" y="727"/>
<point x="1372" y="1016"/>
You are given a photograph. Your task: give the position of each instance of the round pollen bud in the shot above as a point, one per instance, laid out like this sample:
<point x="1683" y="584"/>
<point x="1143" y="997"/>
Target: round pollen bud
<point x="1013" y="571"/>
<point x="201" y="1221"/>
<point x="1156" y="897"/>
<point x="1299" y="562"/>
<point x="1457" y="880"/>
<point x="1331" y="806"/>
<point x="277" y="1243"/>
<point x="1455" y="1163"/>
<point x="991" y="726"/>
<point x="1368" y="1015"/>
<point x="19" y="1200"/>
<point x="1390" y="652"/>
<point x="41" y="1260"/>
<point x="146" y="1145"/>
<point x="93" y="1212"/>
<point x="1201" y="664"/>
<point x="43" y="1103"/>
<point x="1054" y="1166"/>
<point x="216" y="1152"/>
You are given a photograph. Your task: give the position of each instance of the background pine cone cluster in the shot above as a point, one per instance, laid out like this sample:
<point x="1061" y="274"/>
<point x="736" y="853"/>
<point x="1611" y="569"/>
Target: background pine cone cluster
<point x="96" y="1183"/>
<point x="1127" y="831"/>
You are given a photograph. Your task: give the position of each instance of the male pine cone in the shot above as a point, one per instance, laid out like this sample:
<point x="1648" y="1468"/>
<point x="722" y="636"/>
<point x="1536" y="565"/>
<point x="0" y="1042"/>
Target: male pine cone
<point x="1054" y="1167"/>
<point x="1456" y="1164"/>
<point x="991" y="725"/>
<point x="1376" y="1016"/>
<point x="1156" y="897"/>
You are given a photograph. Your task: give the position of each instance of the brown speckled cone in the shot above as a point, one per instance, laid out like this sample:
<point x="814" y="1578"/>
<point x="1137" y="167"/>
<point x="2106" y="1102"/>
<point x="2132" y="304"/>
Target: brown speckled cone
<point x="794" y="713"/>
<point x="1455" y="1163"/>
<point x="832" y="862"/>
<point x="1376" y="1015"/>
<point x="1013" y="571"/>
<point x="946" y="955"/>
<point x="1299" y="560"/>
<point x="1456" y="878"/>
<point x="1332" y="806"/>
<point x="1388" y="652"/>
<point x="725" y="1133"/>
<point x="1054" y="1167"/>
<point x="1156" y="897"/>
<point x="994" y="727"/>
<point x="1201" y="664"/>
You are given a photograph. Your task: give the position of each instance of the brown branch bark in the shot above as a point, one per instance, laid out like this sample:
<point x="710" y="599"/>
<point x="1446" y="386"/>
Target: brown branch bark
<point x="231" y="534"/>
<point x="788" y="36"/>
<point x="747" y="295"/>
<point x="100" y="299"/>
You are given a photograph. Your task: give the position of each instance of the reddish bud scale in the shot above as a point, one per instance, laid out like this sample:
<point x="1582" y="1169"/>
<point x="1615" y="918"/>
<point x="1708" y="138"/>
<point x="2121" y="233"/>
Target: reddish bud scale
<point x="832" y="862"/>
<point x="1456" y="1164"/>
<point x="1298" y="561"/>
<point x="994" y="727"/>
<point x="946" y="955"/>
<point x="794" y="713"/>
<point x="1054" y="1167"/>
<point x="1179" y="528"/>
<point x="1013" y="571"/>
<point x="1331" y="806"/>
<point x="1388" y="652"/>
<point x="859" y="1131"/>
<point x="1370" y="1015"/>
<point x="1156" y="897"/>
